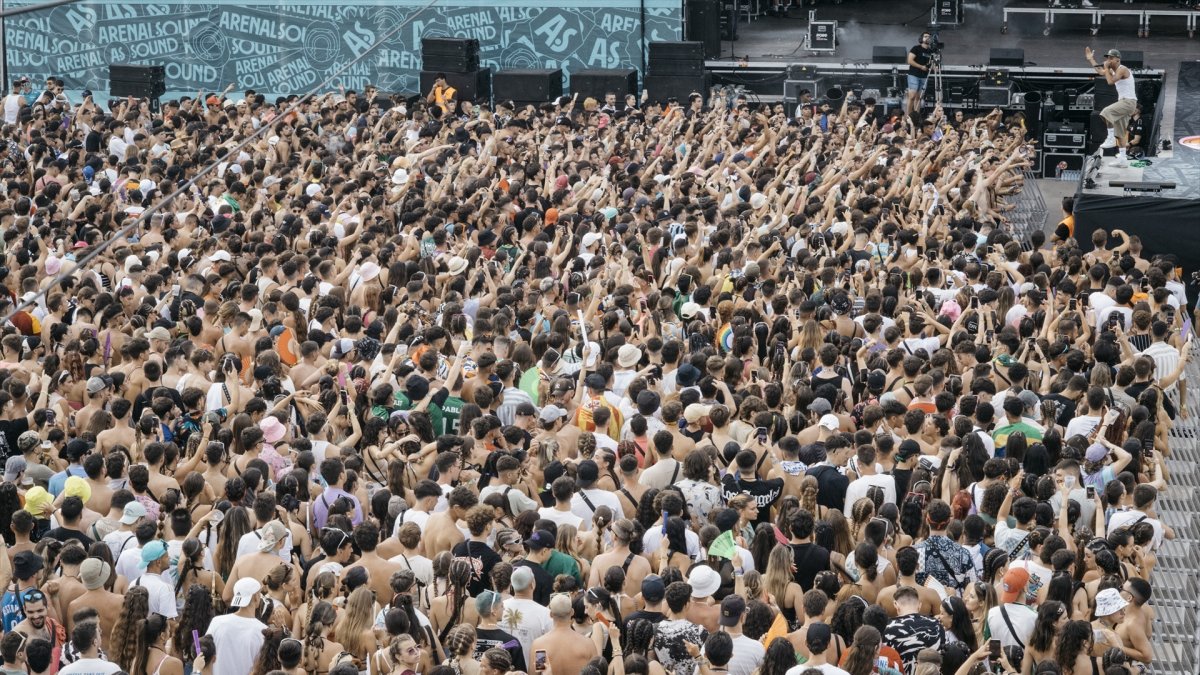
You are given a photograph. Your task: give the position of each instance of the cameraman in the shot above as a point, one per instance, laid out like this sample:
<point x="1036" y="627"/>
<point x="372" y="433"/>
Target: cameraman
<point x="919" y="59"/>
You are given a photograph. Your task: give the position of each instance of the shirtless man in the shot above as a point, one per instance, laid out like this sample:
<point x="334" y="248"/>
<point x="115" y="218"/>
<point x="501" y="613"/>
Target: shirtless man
<point x="93" y="573"/>
<point x="817" y="608"/>
<point x="100" y="500"/>
<point x="379" y="570"/>
<point x="121" y="433"/>
<point x="1134" y="631"/>
<point x="256" y="565"/>
<point x="907" y="561"/>
<point x="566" y="650"/>
<point x="99" y="391"/>
<point x="63" y="591"/>
<point x="37" y="622"/>
<point x="636" y="567"/>
<point x="159" y="482"/>
<point x="441" y="530"/>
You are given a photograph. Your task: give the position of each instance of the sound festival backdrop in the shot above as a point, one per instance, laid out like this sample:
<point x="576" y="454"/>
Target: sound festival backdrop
<point x="279" y="49"/>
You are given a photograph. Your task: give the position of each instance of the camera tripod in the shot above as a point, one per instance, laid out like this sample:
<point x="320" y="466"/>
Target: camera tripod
<point x="935" y="75"/>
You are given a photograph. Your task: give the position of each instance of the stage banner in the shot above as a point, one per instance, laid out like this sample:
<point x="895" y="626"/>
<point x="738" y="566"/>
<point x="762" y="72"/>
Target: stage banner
<point x="278" y="49"/>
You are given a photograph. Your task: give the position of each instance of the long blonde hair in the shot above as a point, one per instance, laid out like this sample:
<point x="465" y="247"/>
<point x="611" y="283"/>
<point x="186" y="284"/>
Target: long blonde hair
<point x="355" y="620"/>
<point x="779" y="572"/>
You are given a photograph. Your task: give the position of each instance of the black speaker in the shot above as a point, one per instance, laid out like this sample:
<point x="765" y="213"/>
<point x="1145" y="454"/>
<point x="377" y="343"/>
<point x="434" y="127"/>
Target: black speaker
<point x="685" y="59"/>
<point x="137" y="80"/>
<point x="451" y="55"/>
<point x="1133" y="59"/>
<point x="1002" y="56"/>
<point x="535" y="86"/>
<point x="663" y="87"/>
<point x="889" y="54"/>
<point x="704" y="25"/>
<point x="474" y="86"/>
<point x="597" y="83"/>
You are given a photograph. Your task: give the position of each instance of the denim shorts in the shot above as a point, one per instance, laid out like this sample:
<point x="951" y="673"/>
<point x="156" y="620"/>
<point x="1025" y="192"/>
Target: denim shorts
<point x="916" y="83"/>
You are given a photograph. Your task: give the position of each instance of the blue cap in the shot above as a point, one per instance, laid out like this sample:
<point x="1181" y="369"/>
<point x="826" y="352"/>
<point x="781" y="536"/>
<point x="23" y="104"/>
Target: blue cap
<point x="152" y="551"/>
<point x="88" y="173"/>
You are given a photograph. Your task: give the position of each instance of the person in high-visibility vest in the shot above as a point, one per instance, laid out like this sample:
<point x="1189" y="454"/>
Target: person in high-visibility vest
<point x="443" y="95"/>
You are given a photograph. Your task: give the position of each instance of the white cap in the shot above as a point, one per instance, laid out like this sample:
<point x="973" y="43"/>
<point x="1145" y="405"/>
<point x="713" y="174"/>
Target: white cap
<point x="244" y="591"/>
<point x="591" y="238"/>
<point x="830" y="422"/>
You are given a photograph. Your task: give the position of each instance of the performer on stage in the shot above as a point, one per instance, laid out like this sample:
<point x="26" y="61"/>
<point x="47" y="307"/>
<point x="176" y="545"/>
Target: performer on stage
<point x="919" y="59"/>
<point x="1116" y="116"/>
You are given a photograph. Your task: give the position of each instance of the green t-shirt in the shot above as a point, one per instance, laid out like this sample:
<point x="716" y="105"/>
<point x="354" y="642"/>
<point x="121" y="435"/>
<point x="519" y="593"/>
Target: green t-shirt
<point x="561" y="563"/>
<point x="451" y="411"/>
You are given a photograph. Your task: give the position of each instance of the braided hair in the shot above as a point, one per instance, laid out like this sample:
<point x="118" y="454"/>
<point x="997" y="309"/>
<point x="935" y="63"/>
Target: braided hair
<point x="459" y="578"/>
<point x="320" y="616"/>
<point x="460" y="642"/>
<point x="124" y="632"/>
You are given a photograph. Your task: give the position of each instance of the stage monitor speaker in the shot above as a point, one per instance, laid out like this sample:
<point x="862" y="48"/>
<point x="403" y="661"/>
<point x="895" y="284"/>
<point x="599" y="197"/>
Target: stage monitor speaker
<point x="889" y="54"/>
<point x="535" y="86"/>
<point x="1073" y="161"/>
<point x="597" y="83"/>
<point x="663" y="87"/>
<point x="792" y="89"/>
<point x="685" y="59"/>
<point x="992" y="96"/>
<point x="450" y="55"/>
<point x="704" y="25"/>
<point x="1003" y="56"/>
<point x="1133" y="59"/>
<point x="137" y="80"/>
<point x="474" y="86"/>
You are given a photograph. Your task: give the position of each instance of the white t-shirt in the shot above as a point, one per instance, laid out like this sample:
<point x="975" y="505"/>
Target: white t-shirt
<point x="1081" y="425"/>
<point x="129" y="565"/>
<point x="1128" y="517"/>
<point x="162" y="594"/>
<point x="597" y="498"/>
<point x="560" y="517"/>
<point x="119" y="542"/>
<point x="249" y="542"/>
<point x="238" y="640"/>
<point x="858" y="489"/>
<point x="1022" y="618"/>
<point x="90" y="667"/>
<point x="525" y="620"/>
<point x="747" y="656"/>
<point x="421" y="566"/>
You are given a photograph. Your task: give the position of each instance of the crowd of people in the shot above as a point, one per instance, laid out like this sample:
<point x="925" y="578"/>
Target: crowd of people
<point x="602" y="387"/>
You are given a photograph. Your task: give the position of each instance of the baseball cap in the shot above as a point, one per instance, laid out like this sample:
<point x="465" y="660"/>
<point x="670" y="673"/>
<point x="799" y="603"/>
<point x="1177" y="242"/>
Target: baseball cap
<point x="28" y="441"/>
<point x="704" y="581"/>
<point x="93" y="572"/>
<point x="272" y="533"/>
<point x="152" y="551"/>
<point x="830" y="422"/>
<point x="95" y="385"/>
<point x="1096" y="452"/>
<point x="1014" y="584"/>
<point x="1113" y="52"/>
<point x="694" y="412"/>
<point x="26" y="564"/>
<point x="540" y="540"/>
<point x="521" y="579"/>
<point x="819" y="406"/>
<point x="551" y="413"/>
<point x="818" y="637"/>
<point x="1109" y="602"/>
<point x="653" y="589"/>
<point x="133" y="510"/>
<point x="244" y="591"/>
<point x="14" y="467"/>
<point x="158" y="333"/>
<point x="732" y="608"/>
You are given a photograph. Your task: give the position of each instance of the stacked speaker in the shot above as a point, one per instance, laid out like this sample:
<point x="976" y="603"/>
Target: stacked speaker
<point x="523" y="87"/>
<point x="599" y="82"/>
<point x="676" y="71"/>
<point x="704" y="25"/>
<point x="458" y="60"/>
<point x="138" y="81"/>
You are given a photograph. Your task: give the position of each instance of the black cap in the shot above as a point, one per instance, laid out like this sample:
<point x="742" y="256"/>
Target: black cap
<point x="817" y="638"/>
<point x="26" y="564"/>
<point x="653" y="589"/>
<point x="732" y="608"/>
<point x="540" y="540"/>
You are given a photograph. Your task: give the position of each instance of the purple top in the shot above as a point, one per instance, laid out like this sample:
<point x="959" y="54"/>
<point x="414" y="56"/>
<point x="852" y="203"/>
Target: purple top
<point x="328" y="497"/>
